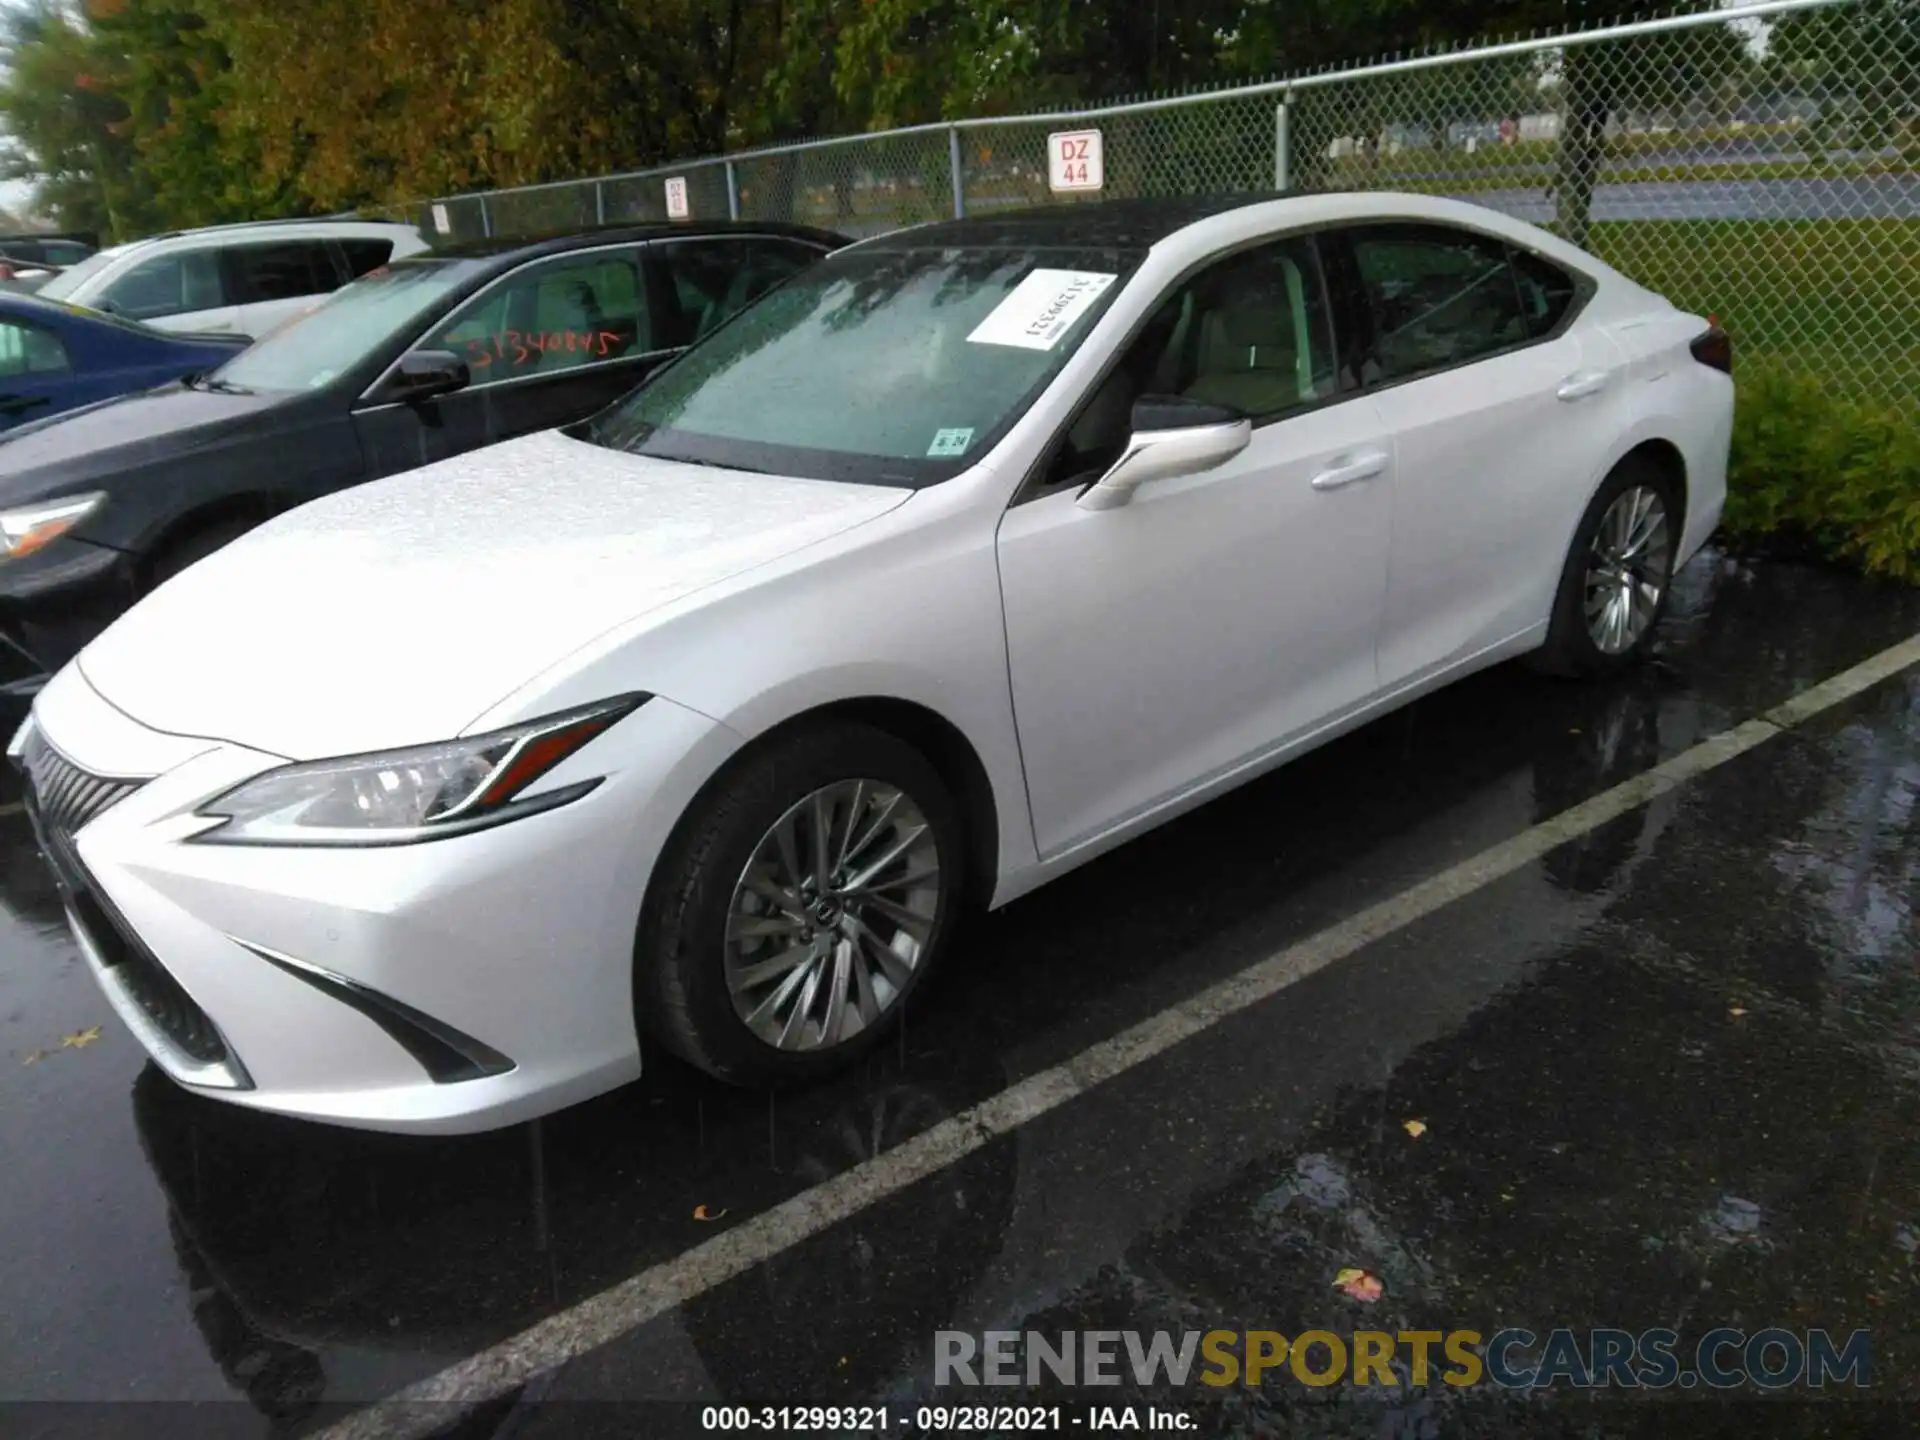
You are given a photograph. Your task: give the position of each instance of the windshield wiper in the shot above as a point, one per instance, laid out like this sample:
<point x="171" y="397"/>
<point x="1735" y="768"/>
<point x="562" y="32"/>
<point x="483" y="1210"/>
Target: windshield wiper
<point x="213" y="383"/>
<point x="707" y="464"/>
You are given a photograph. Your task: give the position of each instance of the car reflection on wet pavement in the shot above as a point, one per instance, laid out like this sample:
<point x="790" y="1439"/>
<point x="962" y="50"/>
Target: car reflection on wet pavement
<point x="1667" y="1076"/>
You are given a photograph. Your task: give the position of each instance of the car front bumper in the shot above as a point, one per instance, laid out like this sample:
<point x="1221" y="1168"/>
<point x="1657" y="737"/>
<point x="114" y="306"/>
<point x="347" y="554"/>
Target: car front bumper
<point x="441" y="987"/>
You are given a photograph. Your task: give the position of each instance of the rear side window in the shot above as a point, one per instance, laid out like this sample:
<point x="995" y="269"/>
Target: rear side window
<point x="1439" y="296"/>
<point x="709" y="280"/>
<point x="286" y="270"/>
<point x="29" y="350"/>
<point x="1546" y="292"/>
<point x="173" y="284"/>
<point x="65" y="252"/>
<point x="365" y="255"/>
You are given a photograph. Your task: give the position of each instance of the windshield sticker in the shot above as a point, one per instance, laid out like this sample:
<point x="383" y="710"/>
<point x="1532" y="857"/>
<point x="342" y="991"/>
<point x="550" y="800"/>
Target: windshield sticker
<point x="948" y="443"/>
<point x="1041" y="308"/>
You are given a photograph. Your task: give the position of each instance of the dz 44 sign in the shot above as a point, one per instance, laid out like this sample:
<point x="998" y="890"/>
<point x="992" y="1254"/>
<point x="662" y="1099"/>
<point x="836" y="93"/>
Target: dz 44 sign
<point x="1075" y="161"/>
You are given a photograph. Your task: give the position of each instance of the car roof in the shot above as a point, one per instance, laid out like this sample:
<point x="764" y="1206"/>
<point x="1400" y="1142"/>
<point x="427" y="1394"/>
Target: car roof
<point x="557" y="242"/>
<point x="1102" y="224"/>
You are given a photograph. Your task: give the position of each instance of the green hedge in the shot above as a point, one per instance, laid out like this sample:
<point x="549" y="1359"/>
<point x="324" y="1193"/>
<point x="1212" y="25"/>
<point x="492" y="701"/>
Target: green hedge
<point x="1811" y="473"/>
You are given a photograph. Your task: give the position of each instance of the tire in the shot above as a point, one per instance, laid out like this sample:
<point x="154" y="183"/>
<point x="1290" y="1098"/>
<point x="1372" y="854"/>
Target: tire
<point x="192" y="548"/>
<point x="1572" y="646"/>
<point x="695" y="979"/>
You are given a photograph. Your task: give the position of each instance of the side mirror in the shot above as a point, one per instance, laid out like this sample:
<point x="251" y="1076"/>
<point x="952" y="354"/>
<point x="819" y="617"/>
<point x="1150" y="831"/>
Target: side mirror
<point x="1171" y="437"/>
<point x="426" y="373"/>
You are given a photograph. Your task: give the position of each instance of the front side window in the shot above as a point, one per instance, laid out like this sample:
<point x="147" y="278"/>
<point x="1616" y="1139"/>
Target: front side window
<point x="343" y="331"/>
<point x="29" y="350"/>
<point x="1439" y="297"/>
<point x="174" y="284"/>
<point x="878" y="366"/>
<point x="288" y="270"/>
<point x="1251" y="331"/>
<point x="555" y="315"/>
<point x="710" y="280"/>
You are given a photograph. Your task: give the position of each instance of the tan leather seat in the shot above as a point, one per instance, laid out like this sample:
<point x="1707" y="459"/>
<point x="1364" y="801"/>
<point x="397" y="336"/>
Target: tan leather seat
<point x="1248" y="357"/>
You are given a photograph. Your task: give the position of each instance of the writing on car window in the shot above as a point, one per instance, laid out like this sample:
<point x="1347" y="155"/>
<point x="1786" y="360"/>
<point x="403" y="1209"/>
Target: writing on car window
<point x="516" y="347"/>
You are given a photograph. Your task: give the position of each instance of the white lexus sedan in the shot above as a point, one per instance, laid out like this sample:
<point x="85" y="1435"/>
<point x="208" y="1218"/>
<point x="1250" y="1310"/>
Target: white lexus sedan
<point x="960" y="559"/>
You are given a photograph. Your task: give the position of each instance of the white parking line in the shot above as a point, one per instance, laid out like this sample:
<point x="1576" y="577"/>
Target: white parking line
<point x="433" y="1403"/>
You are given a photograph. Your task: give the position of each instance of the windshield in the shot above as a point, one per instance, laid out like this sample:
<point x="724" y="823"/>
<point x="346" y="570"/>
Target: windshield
<point x="887" y="367"/>
<point x="71" y="279"/>
<point x="313" y="349"/>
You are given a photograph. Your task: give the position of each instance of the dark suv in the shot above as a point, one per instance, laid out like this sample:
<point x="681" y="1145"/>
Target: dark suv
<point x="421" y="359"/>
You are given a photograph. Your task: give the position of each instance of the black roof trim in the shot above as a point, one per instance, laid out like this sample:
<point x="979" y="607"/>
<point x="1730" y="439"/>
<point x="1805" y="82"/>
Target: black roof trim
<point x="522" y="247"/>
<point x="1119" y="224"/>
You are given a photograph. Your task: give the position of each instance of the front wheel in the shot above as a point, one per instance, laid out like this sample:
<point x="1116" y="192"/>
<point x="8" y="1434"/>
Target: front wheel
<point x="801" y="903"/>
<point x="1613" y="587"/>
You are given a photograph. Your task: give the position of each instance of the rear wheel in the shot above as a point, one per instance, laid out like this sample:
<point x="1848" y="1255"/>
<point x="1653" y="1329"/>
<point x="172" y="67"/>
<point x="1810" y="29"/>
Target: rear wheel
<point x="1613" y="587"/>
<point x="800" y="905"/>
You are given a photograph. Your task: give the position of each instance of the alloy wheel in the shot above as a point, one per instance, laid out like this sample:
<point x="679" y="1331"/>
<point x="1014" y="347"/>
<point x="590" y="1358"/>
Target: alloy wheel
<point x="1627" y="569"/>
<point x="832" y="915"/>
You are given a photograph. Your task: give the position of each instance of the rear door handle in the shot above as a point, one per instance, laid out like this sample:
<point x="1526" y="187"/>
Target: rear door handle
<point x="1349" y="468"/>
<point x="1581" y="384"/>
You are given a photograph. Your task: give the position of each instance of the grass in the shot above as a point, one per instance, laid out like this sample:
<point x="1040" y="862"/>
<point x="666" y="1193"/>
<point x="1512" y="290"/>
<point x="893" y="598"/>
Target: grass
<point x="1837" y="300"/>
<point x="1825" y="316"/>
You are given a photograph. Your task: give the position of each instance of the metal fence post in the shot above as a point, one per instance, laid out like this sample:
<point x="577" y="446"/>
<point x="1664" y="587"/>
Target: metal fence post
<point x="959" y="179"/>
<point x="486" y="219"/>
<point x="1280" y="156"/>
<point x="599" y="203"/>
<point x="733" y="193"/>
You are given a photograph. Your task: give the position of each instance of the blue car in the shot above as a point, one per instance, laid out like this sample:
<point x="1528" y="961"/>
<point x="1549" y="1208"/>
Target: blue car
<point x="55" y="357"/>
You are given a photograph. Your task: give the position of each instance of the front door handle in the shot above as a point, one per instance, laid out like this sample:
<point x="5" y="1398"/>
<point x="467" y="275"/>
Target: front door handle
<point x="1349" y="468"/>
<point x="14" y="406"/>
<point x="1581" y="384"/>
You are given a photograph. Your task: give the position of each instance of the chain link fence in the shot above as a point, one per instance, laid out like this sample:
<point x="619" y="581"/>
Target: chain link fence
<point x="1761" y="165"/>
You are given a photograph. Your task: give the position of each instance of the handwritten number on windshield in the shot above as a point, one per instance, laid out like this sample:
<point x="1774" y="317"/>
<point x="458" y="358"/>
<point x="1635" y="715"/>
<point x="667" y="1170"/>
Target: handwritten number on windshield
<point x="514" y="347"/>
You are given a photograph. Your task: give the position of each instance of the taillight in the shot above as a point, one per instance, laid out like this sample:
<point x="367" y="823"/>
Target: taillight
<point x="1715" y="348"/>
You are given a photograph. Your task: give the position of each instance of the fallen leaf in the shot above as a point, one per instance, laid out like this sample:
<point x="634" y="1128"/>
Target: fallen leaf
<point x="1574" y="731"/>
<point x="1415" y="1128"/>
<point x="1737" y="1011"/>
<point x="34" y="1057"/>
<point x="1506" y="1195"/>
<point x="80" y="1039"/>
<point x="1358" y="1284"/>
<point x="701" y="1212"/>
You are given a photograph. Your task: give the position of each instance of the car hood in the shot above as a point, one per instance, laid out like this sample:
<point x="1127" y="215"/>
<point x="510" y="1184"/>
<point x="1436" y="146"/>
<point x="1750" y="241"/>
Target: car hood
<point x="397" y="612"/>
<point x="113" y="436"/>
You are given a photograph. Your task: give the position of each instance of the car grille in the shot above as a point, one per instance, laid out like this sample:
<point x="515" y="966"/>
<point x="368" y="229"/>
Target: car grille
<point x="62" y="800"/>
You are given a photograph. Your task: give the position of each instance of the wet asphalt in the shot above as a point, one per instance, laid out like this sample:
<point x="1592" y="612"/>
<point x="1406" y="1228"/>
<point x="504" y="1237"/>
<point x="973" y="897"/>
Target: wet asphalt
<point x="1668" y="1075"/>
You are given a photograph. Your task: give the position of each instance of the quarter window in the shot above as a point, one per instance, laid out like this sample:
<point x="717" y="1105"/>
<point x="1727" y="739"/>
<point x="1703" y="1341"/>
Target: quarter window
<point x="285" y="271"/>
<point x="175" y="284"/>
<point x="365" y="255"/>
<point x="711" y="280"/>
<point x="557" y="315"/>
<point x="1546" y="292"/>
<point x="29" y="350"/>
<point x="1439" y="297"/>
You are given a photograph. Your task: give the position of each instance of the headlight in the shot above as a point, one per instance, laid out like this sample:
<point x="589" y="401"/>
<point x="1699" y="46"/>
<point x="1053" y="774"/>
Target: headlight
<point x="31" y="527"/>
<point x="397" y="797"/>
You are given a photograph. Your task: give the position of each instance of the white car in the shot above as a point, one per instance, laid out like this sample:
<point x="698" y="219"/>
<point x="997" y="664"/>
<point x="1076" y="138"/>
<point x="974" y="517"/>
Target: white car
<point x="232" y="279"/>
<point x="960" y="559"/>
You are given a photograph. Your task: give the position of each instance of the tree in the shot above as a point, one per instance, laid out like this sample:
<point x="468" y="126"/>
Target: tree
<point x="66" y="128"/>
